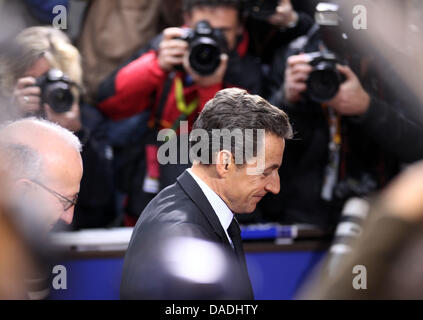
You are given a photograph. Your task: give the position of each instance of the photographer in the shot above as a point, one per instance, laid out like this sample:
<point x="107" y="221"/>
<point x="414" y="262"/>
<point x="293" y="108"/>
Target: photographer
<point x="353" y="130"/>
<point x="176" y="75"/>
<point x="44" y="75"/>
<point x="273" y="24"/>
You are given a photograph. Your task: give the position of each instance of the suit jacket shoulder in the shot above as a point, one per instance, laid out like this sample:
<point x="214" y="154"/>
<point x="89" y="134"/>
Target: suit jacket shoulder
<point x="181" y="209"/>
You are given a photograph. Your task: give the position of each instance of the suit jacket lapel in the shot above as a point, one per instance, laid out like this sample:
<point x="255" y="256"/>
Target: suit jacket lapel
<point x="193" y="190"/>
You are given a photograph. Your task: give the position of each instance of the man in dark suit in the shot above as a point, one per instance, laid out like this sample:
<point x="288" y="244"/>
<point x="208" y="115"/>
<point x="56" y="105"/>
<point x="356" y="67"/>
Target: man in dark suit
<point x="200" y="206"/>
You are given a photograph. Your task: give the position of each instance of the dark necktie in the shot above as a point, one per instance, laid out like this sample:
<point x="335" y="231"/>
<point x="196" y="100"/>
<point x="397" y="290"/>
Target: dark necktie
<point x="234" y="233"/>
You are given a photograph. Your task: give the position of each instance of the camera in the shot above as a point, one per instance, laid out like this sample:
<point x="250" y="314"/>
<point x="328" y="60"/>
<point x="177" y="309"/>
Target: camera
<point x="56" y="90"/>
<point x="205" y="47"/>
<point x="324" y="80"/>
<point x="260" y="9"/>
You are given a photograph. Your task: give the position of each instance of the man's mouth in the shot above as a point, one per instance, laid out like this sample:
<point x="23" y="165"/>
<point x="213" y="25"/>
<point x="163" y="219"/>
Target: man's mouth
<point x="259" y="196"/>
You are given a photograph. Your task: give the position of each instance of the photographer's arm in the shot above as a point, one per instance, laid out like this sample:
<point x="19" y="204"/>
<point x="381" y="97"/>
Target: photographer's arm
<point x="131" y="87"/>
<point x="128" y="90"/>
<point x="288" y="81"/>
<point x="292" y="24"/>
<point x="392" y="130"/>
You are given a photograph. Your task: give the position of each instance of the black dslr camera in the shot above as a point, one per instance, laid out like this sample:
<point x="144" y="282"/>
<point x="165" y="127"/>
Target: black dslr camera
<point x="56" y="90"/>
<point x="205" y="47"/>
<point x="324" y="81"/>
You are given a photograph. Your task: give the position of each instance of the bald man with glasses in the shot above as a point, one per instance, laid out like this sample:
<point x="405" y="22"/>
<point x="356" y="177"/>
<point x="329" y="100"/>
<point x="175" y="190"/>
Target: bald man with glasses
<point x="40" y="174"/>
<point x="42" y="165"/>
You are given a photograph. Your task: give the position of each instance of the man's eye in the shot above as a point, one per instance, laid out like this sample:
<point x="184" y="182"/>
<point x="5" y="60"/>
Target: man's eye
<point x="266" y="174"/>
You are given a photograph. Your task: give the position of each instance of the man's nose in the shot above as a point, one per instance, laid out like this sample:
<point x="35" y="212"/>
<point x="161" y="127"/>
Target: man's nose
<point x="67" y="216"/>
<point x="274" y="186"/>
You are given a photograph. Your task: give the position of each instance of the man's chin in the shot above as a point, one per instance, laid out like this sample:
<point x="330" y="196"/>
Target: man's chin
<point x="248" y="210"/>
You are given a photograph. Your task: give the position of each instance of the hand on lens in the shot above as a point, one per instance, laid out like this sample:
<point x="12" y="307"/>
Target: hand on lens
<point x="351" y="99"/>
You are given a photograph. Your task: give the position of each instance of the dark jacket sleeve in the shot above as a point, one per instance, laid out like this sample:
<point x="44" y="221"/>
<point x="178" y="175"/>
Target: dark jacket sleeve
<point x="394" y="131"/>
<point x="95" y="206"/>
<point x="146" y="274"/>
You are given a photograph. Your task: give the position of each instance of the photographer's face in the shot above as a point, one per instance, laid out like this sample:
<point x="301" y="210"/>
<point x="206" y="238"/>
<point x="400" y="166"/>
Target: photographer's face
<point x="224" y="18"/>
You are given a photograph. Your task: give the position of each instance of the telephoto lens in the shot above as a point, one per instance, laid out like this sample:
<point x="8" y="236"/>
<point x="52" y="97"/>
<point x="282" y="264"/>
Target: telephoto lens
<point x="324" y="80"/>
<point x="350" y="228"/>
<point x="205" y="47"/>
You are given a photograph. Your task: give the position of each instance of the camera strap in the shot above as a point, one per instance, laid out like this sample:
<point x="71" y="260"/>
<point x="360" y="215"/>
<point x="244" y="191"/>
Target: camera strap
<point x="180" y="99"/>
<point x="334" y="147"/>
<point x="151" y="182"/>
<point x="184" y="109"/>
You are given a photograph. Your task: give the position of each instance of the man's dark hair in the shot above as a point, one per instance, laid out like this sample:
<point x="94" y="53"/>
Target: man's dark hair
<point x="235" y="109"/>
<point x="192" y="4"/>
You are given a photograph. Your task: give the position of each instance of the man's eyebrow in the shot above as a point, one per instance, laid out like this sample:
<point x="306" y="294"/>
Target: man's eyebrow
<point x="272" y="167"/>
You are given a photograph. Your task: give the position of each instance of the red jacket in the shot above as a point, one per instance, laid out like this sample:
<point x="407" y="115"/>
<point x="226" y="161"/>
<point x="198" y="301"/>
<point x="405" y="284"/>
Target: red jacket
<point x="137" y="83"/>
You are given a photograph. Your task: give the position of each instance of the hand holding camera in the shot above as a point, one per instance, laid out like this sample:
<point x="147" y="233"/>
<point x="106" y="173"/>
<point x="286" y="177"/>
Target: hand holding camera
<point x="320" y="78"/>
<point x="49" y="96"/>
<point x="200" y="51"/>
<point x="351" y="99"/>
<point x="172" y="49"/>
<point x="26" y="96"/>
<point x="296" y="75"/>
<point x="284" y="15"/>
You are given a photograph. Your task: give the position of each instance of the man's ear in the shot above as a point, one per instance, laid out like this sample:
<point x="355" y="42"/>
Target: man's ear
<point x="223" y="163"/>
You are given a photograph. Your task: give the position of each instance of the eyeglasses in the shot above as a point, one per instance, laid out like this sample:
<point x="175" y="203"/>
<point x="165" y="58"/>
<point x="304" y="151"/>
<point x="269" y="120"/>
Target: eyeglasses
<point x="67" y="203"/>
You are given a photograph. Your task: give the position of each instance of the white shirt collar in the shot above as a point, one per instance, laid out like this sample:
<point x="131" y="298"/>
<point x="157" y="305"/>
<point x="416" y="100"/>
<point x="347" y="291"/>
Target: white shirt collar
<point x="221" y="209"/>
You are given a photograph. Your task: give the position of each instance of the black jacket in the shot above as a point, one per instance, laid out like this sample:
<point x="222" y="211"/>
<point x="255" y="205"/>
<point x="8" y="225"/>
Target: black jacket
<point x="95" y="207"/>
<point x="181" y="209"/>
